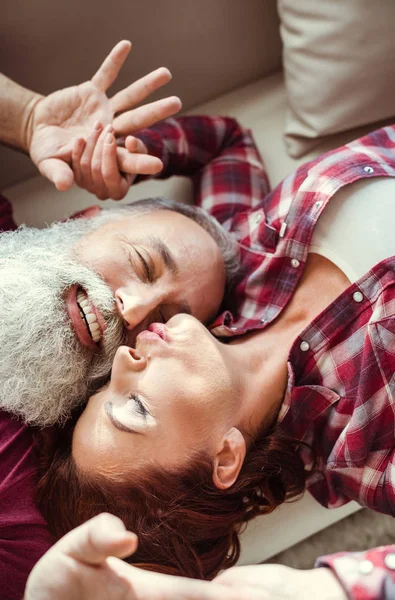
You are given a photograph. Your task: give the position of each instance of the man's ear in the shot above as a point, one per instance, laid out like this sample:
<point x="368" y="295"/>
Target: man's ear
<point x="229" y="459"/>
<point x="91" y="211"/>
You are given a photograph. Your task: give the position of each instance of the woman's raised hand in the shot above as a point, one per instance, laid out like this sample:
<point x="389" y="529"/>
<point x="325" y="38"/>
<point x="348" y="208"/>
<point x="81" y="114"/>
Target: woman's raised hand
<point x="103" y="169"/>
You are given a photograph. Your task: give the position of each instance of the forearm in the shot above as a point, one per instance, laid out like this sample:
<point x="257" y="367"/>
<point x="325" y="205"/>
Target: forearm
<point x="187" y="144"/>
<point x="218" y="154"/>
<point x="16" y="108"/>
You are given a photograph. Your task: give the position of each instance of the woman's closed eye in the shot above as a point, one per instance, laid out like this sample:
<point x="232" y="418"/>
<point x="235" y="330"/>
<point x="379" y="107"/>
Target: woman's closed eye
<point x="138" y="406"/>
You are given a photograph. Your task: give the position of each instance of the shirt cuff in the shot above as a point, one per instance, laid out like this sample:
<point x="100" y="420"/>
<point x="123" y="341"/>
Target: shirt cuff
<point x="366" y="575"/>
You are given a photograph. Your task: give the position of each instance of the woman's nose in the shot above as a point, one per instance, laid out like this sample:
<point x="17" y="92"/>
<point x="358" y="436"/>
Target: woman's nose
<point x="127" y="360"/>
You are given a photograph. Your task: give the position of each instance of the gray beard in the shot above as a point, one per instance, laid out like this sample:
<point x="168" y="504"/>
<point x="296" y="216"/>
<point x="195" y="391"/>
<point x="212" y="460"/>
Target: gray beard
<point x="44" y="370"/>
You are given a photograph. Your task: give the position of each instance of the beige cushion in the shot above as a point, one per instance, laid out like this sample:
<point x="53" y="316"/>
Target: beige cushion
<point x="339" y="67"/>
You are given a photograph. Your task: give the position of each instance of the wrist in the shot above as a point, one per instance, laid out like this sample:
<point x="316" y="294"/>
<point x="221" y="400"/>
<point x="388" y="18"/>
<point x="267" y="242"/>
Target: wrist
<point x="326" y="585"/>
<point x="28" y="120"/>
<point x="17" y="105"/>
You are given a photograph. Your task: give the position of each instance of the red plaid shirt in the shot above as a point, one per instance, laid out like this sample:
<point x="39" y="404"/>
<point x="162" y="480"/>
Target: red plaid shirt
<point x="340" y="396"/>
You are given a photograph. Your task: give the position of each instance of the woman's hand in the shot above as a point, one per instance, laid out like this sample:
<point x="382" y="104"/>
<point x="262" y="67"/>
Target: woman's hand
<point x="55" y="121"/>
<point x="83" y="565"/>
<point x="106" y="170"/>
<point x="76" y="566"/>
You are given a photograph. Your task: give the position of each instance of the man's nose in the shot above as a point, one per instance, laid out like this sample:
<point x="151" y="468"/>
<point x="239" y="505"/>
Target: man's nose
<point x="134" y="308"/>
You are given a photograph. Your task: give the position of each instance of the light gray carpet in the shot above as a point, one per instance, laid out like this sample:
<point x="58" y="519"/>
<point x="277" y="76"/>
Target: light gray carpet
<point x="360" y="531"/>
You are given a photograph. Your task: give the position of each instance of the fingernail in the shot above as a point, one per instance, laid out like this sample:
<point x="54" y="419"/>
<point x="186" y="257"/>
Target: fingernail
<point x="97" y="125"/>
<point x="109" y="139"/>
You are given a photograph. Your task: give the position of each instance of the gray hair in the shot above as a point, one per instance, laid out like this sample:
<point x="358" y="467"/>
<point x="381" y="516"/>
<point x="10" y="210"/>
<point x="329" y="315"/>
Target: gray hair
<point x="226" y="244"/>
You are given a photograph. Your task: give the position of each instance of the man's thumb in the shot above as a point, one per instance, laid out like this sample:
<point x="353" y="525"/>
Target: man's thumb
<point x="97" y="539"/>
<point x="58" y="172"/>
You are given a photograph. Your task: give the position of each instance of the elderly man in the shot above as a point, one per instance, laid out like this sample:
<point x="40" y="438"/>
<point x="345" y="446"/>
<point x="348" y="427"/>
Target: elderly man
<point x="60" y="324"/>
<point x="72" y="293"/>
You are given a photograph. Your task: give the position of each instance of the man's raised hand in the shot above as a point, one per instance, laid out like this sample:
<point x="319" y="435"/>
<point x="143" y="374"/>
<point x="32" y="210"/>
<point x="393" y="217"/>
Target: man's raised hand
<point x="57" y="120"/>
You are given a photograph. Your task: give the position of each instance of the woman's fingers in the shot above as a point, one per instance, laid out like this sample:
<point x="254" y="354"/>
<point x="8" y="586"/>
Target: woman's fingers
<point x="140" y="90"/>
<point x="155" y="586"/>
<point x="112" y="64"/>
<point x="147" y="115"/>
<point x="133" y="144"/>
<point x="116" y="185"/>
<point x="98" y="185"/>
<point x="76" y="153"/>
<point x="138" y="164"/>
<point x="104" y="535"/>
<point x="86" y="158"/>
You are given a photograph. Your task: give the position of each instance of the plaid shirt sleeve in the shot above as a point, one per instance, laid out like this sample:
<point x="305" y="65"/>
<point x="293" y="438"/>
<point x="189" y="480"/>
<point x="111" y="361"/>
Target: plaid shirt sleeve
<point x="220" y="157"/>
<point x="366" y="575"/>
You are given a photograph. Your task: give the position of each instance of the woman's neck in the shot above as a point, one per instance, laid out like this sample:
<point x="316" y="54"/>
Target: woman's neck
<point x="261" y="357"/>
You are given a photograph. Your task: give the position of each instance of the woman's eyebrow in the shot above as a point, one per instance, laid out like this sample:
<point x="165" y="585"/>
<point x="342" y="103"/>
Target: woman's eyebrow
<point x="108" y="407"/>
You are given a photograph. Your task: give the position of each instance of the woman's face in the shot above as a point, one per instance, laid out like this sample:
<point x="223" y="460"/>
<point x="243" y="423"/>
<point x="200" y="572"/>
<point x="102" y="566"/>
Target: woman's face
<point x="176" y="393"/>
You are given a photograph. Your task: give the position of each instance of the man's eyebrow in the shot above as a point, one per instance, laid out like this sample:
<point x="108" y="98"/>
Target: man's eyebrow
<point x="170" y="262"/>
<point x="117" y="424"/>
<point x="165" y="253"/>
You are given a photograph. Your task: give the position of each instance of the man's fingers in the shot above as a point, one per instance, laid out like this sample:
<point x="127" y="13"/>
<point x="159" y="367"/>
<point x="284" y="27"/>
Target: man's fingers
<point x="109" y="69"/>
<point x="140" y="90"/>
<point x="97" y="539"/>
<point x="58" y="172"/>
<point x="146" y="115"/>
<point x="138" y="164"/>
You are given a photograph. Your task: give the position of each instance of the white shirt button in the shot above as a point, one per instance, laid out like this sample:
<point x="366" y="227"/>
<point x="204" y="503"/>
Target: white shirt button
<point x="233" y="328"/>
<point x="389" y="561"/>
<point x="295" y="263"/>
<point x="365" y="567"/>
<point x="369" y="170"/>
<point x="258" y="218"/>
<point x="318" y="204"/>
<point x="263" y="320"/>
<point x="304" y="346"/>
<point x="357" y="296"/>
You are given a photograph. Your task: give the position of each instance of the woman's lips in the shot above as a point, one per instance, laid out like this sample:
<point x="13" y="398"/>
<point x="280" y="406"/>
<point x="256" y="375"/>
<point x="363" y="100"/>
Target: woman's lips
<point x="160" y="330"/>
<point x="156" y="332"/>
<point x="150" y="336"/>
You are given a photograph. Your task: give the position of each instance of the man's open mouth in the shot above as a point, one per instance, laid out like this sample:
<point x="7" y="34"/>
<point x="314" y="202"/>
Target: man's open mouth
<point x="88" y="315"/>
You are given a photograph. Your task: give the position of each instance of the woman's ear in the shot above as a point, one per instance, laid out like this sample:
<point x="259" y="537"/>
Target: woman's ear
<point x="229" y="459"/>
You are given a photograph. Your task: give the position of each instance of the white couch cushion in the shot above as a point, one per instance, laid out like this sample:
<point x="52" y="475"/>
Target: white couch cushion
<point x="339" y="67"/>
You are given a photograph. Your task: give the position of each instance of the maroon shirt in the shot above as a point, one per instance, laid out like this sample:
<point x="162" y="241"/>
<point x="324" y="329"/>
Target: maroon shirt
<point x="24" y="535"/>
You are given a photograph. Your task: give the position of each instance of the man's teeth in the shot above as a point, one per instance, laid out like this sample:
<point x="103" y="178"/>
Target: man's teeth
<point x="89" y="316"/>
